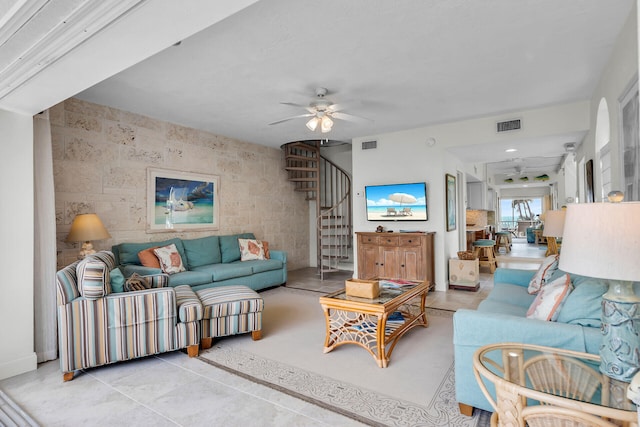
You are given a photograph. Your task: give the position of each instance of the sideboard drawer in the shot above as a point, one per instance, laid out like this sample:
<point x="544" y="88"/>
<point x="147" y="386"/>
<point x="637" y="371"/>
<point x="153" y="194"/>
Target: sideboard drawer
<point x="409" y="241"/>
<point x="388" y="240"/>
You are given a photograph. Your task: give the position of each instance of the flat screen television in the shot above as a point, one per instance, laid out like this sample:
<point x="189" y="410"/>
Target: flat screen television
<point x="397" y="202"/>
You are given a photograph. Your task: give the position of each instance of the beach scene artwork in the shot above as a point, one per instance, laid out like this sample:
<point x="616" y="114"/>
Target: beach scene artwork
<point x="180" y="202"/>
<point x="397" y="202"/>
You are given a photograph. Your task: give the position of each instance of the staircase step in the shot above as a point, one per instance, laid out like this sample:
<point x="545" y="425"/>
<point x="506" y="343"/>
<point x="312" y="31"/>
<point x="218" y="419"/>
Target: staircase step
<point x="300" y="157"/>
<point x="335" y="246"/>
<point x="303" y="146"/>
<point x="302" y="179"/>
<point x="306" y="189"/>
<point x="300" y="168"/>
<point x="333" y="226"/>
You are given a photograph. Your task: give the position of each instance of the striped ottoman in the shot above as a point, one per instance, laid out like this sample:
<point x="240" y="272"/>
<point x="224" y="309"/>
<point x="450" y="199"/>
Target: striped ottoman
<point x="230" y="310"/>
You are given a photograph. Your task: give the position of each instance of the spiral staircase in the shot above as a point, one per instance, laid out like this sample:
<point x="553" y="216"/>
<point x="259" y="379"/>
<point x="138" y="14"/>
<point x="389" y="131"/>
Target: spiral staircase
<point x="329" y="186"/>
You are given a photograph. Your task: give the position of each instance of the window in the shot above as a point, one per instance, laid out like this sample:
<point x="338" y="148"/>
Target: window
<point x="630" y="143"/>
<point x="603" y="136"/>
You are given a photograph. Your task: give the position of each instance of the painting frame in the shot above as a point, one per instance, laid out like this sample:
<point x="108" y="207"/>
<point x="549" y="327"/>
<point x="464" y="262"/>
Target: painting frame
<point x="450" y="201"/>
<point x="182" y="201"/>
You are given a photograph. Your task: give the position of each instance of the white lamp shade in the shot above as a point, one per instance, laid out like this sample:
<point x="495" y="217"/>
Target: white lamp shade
<point x="602" y="240"/>
<point x="553" y="223"/>
<point x="87" y="227"/>
<point x="313" y="123"/>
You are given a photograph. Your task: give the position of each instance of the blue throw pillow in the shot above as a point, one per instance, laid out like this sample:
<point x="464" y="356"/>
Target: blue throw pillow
<point x="117" y="280"/>
<point x="583" y="306"/>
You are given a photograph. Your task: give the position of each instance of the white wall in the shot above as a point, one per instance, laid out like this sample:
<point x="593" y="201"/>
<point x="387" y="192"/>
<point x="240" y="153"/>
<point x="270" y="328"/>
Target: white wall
<point x="16" y="245"/>
<point x="620" y="71"/>
<point x="405" y="157"/>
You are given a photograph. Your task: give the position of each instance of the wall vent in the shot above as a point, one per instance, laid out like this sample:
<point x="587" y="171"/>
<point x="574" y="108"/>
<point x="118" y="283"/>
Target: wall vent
<point x="509" y="125"/>
<point x="368" y="145"/>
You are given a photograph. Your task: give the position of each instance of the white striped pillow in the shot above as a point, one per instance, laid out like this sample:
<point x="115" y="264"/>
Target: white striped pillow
<point x="93" y="278"/>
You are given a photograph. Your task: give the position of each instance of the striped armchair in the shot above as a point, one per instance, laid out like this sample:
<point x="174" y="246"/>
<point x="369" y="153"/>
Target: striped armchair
<point x="97" y="327"/>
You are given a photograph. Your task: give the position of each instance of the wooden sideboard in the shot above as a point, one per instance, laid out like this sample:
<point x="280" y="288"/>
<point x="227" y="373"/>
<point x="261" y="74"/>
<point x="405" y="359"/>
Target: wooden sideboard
<point x="406" y="256"/>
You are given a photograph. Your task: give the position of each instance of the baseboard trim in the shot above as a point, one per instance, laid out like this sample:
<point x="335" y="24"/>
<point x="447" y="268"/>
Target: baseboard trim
<point x="18" y="366"/>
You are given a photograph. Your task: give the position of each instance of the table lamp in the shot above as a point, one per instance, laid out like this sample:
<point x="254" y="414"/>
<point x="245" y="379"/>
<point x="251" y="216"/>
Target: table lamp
<point x="601" y="240"/>
<point x="553" y="229"/>
<point x="85" y="228"/>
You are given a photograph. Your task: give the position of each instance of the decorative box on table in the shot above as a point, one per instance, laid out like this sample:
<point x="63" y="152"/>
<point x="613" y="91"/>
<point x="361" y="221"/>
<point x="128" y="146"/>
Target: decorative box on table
<point x="362" y="288"/>
<point x="464" y="274"/>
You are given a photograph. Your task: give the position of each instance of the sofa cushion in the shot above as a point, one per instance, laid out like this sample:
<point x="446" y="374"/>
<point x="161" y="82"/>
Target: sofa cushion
<point x="226" y="271"/>
<point x="128" y="252"/>
<point x="191" y="278"/>
<point x="584" y="305"/>
<point x="550" y="299"/>
<point x="547" y="268"/>
<point x="258" y="266"/>
<point x="500" y="307"/>
<point x="170" y="259"/>
<point x="203" y="251"/>
<point x="511" y="294"/>
<point x="93" y="278"/>
<point x="230" y="248"/>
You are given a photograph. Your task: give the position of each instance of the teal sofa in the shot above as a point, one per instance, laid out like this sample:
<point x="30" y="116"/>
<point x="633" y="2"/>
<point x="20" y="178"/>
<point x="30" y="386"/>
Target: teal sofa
<point x="501" y="317"/>
<point x="210" y="261"/>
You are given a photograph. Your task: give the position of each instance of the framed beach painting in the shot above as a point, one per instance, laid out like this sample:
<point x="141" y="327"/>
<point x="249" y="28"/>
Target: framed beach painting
<point x="450" y="191"/>
<point x="178" y="201"/>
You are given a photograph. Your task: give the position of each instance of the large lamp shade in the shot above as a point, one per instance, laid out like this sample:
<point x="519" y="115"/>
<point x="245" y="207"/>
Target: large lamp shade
<point x="602" y="240"/>
<point x="85" y="228"/>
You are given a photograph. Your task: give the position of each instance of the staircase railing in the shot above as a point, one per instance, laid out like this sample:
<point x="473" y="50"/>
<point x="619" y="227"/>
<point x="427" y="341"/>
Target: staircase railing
<point x="334" y="218"/>
<point x="330" y="187"/>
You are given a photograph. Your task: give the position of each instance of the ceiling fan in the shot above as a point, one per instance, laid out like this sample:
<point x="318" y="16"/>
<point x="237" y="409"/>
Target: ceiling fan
<point x="322" y="112"/>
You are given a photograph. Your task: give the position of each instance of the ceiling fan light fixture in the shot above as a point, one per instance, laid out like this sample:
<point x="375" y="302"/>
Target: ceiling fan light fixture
<point x="326" y="124"/>
<point x="313" y="124"/>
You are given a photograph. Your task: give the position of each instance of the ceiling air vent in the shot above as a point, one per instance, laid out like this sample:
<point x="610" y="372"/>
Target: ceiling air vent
<point x="509" y="125"/>
<point x="368" y="145"/>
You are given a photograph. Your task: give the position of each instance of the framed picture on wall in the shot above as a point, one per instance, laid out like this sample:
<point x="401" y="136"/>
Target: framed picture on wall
<point x="588" y="177"/>
<point x="450" y="195"/>
<point x="178" y="201"/>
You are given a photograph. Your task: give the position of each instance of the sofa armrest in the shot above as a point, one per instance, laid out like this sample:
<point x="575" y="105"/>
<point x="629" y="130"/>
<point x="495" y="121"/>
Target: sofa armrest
<point x="514" y="276"/>
<point x="280" y="255"/>
<point x="129" y="269"/>
<point x="188" y="304"/>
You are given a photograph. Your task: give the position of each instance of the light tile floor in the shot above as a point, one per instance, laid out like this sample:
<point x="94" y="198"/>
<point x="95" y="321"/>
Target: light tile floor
<point x="174" y="390"/>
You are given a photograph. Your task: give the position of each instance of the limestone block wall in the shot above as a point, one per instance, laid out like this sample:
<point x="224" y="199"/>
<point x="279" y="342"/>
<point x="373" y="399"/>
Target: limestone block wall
<point x="101" y="155"/>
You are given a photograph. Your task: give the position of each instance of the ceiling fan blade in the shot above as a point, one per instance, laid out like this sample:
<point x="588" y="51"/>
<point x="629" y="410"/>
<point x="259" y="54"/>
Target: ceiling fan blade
<point x="350" y="117"/>
<point x="293" y="117"/>
<point x="293" y="104"/>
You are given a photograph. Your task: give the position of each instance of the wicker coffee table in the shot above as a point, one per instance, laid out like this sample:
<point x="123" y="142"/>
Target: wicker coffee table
<point x="374" y="324"/>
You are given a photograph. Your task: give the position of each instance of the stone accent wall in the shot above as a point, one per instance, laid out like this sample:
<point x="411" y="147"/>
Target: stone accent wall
<point x="100" y="160"/>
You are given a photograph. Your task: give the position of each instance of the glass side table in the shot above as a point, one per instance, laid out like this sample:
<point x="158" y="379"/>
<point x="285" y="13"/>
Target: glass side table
<point x="544" y="386"/>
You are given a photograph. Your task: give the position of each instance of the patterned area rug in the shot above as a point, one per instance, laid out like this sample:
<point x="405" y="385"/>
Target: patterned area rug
<point x="11" y="415"/>
<point x="366" y="406"/>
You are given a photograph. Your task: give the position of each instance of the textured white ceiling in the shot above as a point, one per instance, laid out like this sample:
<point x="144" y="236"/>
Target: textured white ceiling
<point x="403" y="64"/>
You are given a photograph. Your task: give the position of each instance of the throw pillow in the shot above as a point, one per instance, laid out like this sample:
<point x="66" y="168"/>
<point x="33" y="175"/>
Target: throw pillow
<point x="250" y="249"/>
<point x="116" y="280"/>
<point x="148" y="258"/>
<point x="136" y="282"/>
<point x="550" y="299"/>
<point x="548" y="267"/>
<point x="170" y="259"/>
<point x="93" y="278"/>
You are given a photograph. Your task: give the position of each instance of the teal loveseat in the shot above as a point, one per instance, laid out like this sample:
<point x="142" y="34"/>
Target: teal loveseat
<point x="501" y="317"/>
<point x="210" y="261"/>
